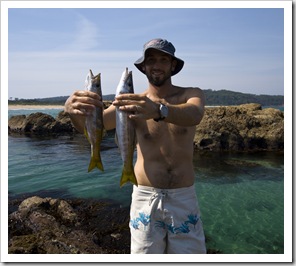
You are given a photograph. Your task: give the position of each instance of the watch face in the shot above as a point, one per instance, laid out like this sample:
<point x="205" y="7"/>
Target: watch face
<point x="164" y="111"/>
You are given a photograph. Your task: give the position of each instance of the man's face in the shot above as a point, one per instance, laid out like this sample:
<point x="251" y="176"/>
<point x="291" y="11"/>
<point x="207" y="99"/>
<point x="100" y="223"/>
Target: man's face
<point x="158" y="67"/>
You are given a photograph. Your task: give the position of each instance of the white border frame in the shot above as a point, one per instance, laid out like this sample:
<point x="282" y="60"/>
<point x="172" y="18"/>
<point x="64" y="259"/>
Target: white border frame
<point x="288" y="244"/>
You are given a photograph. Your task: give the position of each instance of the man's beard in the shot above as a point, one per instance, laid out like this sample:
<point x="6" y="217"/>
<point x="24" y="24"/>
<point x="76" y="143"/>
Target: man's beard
<point x="158" y="81"/>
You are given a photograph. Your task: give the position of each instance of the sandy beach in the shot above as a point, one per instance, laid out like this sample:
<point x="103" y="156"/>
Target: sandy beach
<point x="30" y="107"/>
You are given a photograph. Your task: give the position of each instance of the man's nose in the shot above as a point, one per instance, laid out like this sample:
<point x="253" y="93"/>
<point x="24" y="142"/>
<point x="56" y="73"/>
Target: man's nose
<point x="157" y="64"/>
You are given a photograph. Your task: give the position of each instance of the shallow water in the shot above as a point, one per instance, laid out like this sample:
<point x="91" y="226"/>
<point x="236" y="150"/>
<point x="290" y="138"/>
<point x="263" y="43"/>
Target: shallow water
<point x="241" y="195"/>
<point x="242" y="202"/>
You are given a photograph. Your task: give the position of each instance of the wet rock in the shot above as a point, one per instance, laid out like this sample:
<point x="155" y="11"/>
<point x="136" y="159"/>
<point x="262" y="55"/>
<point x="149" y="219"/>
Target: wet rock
<point x="31" y="203"/>
<point x="40" y="124"/>
<point x="65" y="123"/>
<point x="228" y="128"/>
<point x="15" y="123"/>
<point x="43" y="124"/>
<point x="240" y="128"/>
<point x="76" y="226"/>
<point x="65" y="211"/>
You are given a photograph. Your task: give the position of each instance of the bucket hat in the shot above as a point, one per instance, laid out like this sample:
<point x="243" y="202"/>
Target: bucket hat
<point x="163" y="46"/>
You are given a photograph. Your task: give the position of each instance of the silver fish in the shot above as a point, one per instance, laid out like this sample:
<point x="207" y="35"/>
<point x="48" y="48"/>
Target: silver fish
<point x="94" y="123"/>
<point x="125" y="131"/>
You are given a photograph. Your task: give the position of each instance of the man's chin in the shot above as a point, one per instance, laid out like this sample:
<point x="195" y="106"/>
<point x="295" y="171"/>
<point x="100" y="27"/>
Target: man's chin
<point x="156" y="82"/>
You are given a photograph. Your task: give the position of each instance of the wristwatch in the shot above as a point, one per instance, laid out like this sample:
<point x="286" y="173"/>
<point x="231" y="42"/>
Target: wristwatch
<point x="163" y="111"/>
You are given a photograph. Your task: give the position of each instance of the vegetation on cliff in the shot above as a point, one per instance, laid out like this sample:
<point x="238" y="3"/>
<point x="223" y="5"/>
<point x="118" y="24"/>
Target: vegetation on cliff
<point x="225" y="97"/>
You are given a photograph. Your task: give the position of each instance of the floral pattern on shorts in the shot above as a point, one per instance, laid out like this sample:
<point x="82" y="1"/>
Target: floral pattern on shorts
<point x="143" y="218"/>
<point x="184" y="228"/>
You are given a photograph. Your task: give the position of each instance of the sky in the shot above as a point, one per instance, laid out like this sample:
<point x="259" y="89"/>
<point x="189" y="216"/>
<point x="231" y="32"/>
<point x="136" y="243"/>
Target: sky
<point x="50" y="50"/>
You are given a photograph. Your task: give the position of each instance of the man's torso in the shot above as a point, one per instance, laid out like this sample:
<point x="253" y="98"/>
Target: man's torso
<point x="164" y="152"/>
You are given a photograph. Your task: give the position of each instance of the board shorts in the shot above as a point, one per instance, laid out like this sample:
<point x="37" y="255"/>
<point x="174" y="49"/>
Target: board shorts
<point x="166" y="221"/>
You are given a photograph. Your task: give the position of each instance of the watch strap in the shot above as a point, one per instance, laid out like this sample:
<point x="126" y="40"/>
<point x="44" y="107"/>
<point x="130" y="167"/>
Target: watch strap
<point x="160" y="115"/>
<point x="159" y="119"/>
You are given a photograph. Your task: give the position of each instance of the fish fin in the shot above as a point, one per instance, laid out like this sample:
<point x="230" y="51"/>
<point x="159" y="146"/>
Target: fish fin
<point x="86" y="134"/>
<point x="128" y="175"/>
<point x="95" y="162"/>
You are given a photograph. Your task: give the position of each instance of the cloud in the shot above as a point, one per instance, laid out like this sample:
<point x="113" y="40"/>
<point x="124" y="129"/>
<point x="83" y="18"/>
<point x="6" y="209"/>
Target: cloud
<point x="86" y="36"/>
<point x="61" y="69"/>
<point x="38" y="74"/>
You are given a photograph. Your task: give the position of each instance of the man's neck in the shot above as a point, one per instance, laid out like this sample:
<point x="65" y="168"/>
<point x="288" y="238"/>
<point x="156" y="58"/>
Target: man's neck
<point x="161" y="91"/>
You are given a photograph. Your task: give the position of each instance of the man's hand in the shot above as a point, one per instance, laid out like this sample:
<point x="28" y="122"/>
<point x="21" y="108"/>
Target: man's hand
<point x="139" y="105"/>
<point x="82" y="103"/>
<point x="79" y="105"/>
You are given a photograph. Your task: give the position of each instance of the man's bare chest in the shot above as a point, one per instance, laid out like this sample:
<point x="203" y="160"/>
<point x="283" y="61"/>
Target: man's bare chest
<point x="151" y="131"/>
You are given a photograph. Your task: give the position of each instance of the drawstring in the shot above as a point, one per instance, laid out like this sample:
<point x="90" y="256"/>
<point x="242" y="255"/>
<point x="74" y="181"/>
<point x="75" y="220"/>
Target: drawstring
<point x="162" y="194"/>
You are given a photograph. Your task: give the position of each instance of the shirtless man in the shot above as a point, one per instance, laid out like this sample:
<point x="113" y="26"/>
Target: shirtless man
<point x="165" y="216"/>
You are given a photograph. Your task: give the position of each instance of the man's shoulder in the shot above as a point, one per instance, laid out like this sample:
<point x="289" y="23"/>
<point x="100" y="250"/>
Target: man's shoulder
<point x="188" y="88"/>
<point x="190" y="91"/>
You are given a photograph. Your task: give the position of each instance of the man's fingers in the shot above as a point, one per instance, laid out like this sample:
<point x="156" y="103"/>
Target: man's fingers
<point x="128" y="102"/>
<point x="130" y="97"/>
<point x="131" y="108"/>
<point x="87" y="97"/>
<point x="88" y="94"/>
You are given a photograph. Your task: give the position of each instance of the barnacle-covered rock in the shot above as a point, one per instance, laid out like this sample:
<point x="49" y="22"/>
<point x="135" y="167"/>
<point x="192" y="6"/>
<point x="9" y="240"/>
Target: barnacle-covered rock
<point x="246" y="127"/>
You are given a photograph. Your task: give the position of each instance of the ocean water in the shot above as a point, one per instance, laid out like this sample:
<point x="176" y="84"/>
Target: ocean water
<point x="241" y="195"/>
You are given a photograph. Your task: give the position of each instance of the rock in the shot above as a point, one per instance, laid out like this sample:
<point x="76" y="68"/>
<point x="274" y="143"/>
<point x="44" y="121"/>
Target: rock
<point x="107" y="104"/>
<point x="57" y="226"/>
<point x="65" y="123"/>
<point x="40" y="124"/>
<point x="15" y="123"/>
<point x="240" y="128"/>
<point x="65" y="211"/>
<point x="31" y="203"/>
<point x="228" y="128"/>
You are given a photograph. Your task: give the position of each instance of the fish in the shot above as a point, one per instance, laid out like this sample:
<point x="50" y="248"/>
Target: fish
<point x="94" y="123"/>
<point x="125" y="131"/>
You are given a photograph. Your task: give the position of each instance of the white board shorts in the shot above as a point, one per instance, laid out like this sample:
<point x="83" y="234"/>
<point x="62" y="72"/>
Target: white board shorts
<point x="166" y="221"/>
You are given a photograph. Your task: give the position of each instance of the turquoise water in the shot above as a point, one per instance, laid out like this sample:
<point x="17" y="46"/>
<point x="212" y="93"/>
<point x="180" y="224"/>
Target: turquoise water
<point x="241" y="196"/>
<point x="242" y="201"/>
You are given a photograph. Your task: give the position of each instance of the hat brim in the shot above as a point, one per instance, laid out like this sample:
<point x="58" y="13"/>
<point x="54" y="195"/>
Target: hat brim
<point x="179" y="66"/>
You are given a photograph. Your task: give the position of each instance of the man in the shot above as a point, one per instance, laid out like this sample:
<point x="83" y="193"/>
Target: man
<point x="165" y="216"/>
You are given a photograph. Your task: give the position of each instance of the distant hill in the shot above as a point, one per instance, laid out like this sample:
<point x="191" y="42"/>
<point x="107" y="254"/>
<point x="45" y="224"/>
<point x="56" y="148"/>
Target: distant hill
<point x="213" y="98"/>
<point x="225" y="97"/>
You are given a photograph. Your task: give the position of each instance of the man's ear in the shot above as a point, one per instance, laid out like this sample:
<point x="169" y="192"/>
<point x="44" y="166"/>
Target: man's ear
<point x="143" y="68"/>
<point x="174" y="63"/>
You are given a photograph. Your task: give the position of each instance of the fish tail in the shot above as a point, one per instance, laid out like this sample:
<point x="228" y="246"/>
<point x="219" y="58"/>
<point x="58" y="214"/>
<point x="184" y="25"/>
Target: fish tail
<point x="95" y="162"/>
<point x="128" y="175"/>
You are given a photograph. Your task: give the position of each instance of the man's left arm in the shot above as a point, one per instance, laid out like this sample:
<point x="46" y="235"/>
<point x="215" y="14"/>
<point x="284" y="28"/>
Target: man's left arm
<point x="140" y="106"/>
<point x="186" y="114"/>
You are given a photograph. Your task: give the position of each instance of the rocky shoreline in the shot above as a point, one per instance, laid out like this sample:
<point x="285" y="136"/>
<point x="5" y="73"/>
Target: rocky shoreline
<point x="245" y="127"/>
<point x="45" y="225"/>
